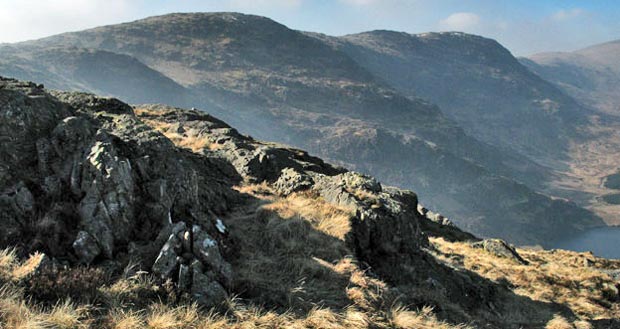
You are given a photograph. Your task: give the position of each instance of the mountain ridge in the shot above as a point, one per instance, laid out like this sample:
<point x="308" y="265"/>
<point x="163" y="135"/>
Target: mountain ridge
<point x="316" y="102"/>
<point x="157" y="215"/>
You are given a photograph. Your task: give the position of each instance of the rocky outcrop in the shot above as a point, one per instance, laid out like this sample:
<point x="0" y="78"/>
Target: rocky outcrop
<point x="84" y="180"/>
<point x="500" y="248"/>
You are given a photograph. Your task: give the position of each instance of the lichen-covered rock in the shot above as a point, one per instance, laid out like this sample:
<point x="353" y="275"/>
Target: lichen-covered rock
<point x="384" y="228"/>
<point x="353" y="181"/>
<point x="206" y="249"/>
<point x="206" y="291"/>
<point x="86" y="247"/>
<point x="500" y="248"/>
<point x="168" y="258"/>
<point x="291" y="181"/>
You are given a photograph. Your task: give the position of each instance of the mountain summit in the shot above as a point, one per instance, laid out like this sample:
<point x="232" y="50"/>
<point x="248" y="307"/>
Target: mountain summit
<point x="300" y="89"/>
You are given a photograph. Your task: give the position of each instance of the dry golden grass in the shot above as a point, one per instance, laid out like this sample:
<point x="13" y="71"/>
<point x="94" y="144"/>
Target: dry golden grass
<point x="401" y="317"/>
<point x="559" y="322"/>
<point x="552" y="276"/>
<point x="17" y="311"/>
<point x="323" y="216"/>
<point x="121" y="319"/>
<point x="13" y="270"/>
<point x="192" y="140"/>
<point x="68" y="315"/>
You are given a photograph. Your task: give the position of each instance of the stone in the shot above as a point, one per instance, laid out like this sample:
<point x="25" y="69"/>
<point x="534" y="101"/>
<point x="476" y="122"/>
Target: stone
<point x="291" y="181"/>
<point x="205" y="291"/>
<point x="168" y="259"/>
<point x="86" y="247"/>
<point x="184" y="281"/>
<point x="187" y="242"/>
<point x="219" y="225"/>
<point x="206" y="249"/>
<point x="500" y="248"/>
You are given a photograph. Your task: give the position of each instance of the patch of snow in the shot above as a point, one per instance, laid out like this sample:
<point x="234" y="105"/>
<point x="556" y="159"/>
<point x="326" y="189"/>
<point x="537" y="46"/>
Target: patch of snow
<point x="209" y="243"/>
<point x="220" y="226"/>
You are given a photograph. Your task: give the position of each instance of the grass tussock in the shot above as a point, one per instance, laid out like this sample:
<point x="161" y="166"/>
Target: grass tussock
<point x="559" y="322"/>
<point x="292" y="254"/>
<point x="324" y="217"/>
<point x="564" y="277"/>
<point x="192" y="140"/>
<point x="13" y="270"/>
<point x="298" y="241"/>
<point x="401" y="317"/>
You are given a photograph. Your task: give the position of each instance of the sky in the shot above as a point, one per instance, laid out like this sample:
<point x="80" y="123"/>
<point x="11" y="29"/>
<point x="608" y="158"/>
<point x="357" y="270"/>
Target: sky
<point x="523" y="26"/>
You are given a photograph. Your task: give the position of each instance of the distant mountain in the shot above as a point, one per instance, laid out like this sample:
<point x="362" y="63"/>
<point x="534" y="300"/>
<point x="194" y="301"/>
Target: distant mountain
<point x="476" y="82"/>
<point x="591" y="75"/>
<point x="153" y="216"/>
<point x="280" y="84"/>
<point x="109" y="73"/>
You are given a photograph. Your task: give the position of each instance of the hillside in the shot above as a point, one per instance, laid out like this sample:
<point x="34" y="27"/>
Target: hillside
<point x="477" y="83"/>
<point x="153" y="216"/>
<point x="276" y="83"/>
<point x="591" y="75"/>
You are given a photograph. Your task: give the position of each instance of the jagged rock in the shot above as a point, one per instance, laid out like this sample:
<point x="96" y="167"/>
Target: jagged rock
<point x="23" y="199"/>
<point x="291" y="180"/>
<point x="185" y="278"/>
<point x="438" y="218"/>
<point x="206" y="249"/>
<point x="16" y="207"/>
<point x="107" y="209"/>
<point x="500" y="248"/>
<point x="206" y="291"/>
<point x="168" y="259"/>
<point x="86" y="247"/>
<point x="614" y="274"/>
<point x="380" y="234"/>
<point x="187" y="242"/>
<point x="219" y="225"/>
<point x="353" y="180"/>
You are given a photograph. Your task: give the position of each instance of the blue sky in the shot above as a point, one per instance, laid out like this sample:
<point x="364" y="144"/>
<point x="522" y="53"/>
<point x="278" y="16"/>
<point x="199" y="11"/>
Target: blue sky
<point x="524" y="27"/>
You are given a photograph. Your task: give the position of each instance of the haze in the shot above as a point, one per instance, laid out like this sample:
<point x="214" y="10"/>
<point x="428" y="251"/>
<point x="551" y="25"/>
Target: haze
<point x="525" y="27"/>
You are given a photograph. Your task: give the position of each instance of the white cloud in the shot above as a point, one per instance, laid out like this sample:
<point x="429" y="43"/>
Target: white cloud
<point x="28" y="19"/>
<point x="460" y="21"/>
<point x="253" y="4"/>
<point x="567" y="14"/>
<point x="359" y="2"/>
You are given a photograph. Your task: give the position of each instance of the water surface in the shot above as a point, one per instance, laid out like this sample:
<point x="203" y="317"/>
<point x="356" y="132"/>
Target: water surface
<point x="602" y="241"/>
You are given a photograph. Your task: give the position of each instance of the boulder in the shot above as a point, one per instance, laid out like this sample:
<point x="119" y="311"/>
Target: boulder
<point x="206" y="249"/>
<point x="184" y="280"/>
<point x="86" y="247"/>
<point x="291" y="181"/>
<point x="167" y="260"/>
<point x="501" y="249"/>
<point x="206" y="291"/>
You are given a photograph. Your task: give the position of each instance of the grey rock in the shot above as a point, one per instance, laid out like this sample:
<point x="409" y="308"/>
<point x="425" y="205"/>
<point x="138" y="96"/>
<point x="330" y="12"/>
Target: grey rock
<point x="500" y="248"/>
<point x="167" y="260"/>
<point x="353" y="180"/>
<point x="206" y="291"/>
<point x="291" y="181"/>
<point x="86" y="247"/>
<point x="206" y="249"/>
<point x="185" y="278"/>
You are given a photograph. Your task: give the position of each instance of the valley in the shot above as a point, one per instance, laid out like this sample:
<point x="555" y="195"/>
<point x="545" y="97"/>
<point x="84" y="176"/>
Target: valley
<point x="325" y="95"/>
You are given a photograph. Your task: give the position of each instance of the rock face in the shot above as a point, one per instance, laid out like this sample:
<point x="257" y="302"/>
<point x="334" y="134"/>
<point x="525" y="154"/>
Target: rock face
<point x="101" y="185"/>
<point x="334" y="104"/>
<point x="97" y="182"/>
<point x="83" y="179"/>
